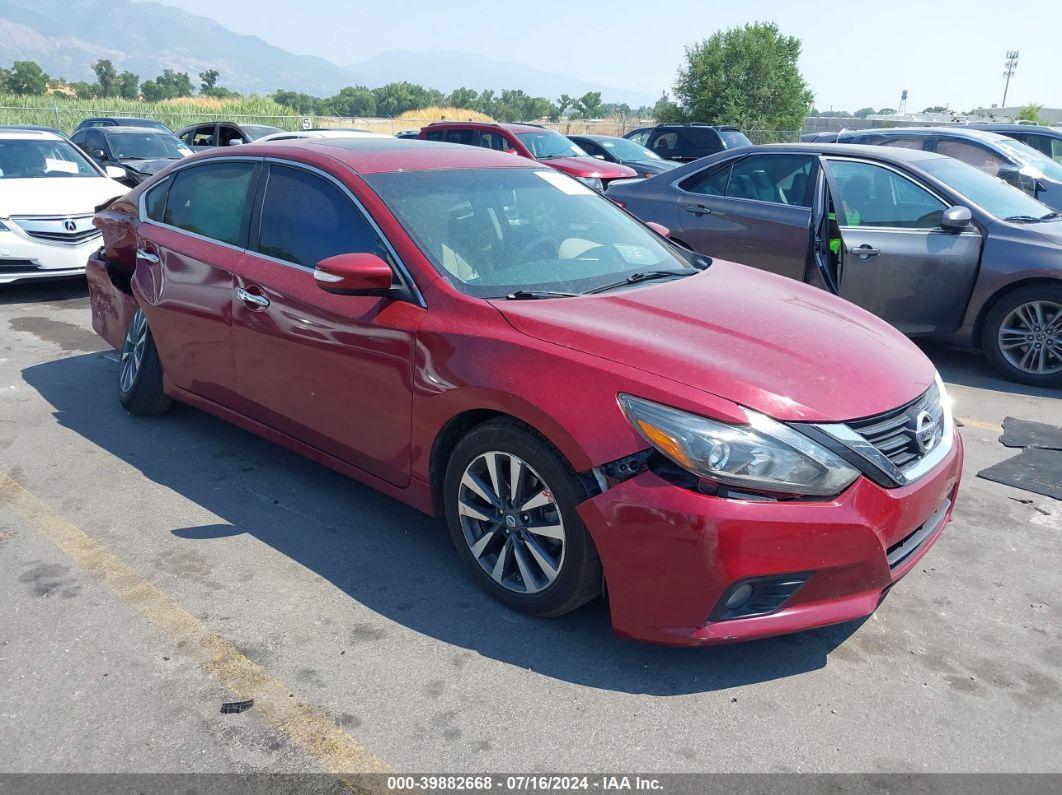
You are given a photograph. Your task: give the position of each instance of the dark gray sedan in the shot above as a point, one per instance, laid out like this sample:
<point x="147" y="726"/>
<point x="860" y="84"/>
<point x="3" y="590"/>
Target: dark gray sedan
<point x="613" y="149"/>
<point x="934" y="246"/>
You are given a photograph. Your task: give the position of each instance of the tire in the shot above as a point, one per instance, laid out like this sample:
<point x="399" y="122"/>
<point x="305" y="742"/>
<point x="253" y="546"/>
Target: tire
<point x="1016" y="324"/>
<point x="545" y="573"/>
<point x="140" y="372"/>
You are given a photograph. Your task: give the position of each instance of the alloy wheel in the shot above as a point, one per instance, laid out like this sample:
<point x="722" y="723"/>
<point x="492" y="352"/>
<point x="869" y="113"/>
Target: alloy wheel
<point x="1030" y="337"/>
<point x="133" y="351"/>
<point x="511" y="522"/>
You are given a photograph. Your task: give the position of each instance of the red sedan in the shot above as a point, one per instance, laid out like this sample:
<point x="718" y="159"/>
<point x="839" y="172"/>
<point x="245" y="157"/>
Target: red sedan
<point x="736" y="454"/>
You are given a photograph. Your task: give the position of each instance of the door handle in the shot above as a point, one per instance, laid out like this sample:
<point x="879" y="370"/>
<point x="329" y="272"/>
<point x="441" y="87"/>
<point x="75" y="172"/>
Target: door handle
<point x="252" y="298"/>
<point x="697" y="209"/>
<point x="147" y="256"/>
<point x="865" y="251"/>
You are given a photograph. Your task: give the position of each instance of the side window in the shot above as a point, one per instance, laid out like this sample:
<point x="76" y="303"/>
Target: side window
<point x="211" y="199"/>
<point x="977" y="156"/>
<point x="703" y="138"/>
<point x="203" y="136"/>
<point x="461" y="137"/>
<point x="778" y="179"/>
<point x="871" y="195"/>
<point x="712" y="184"/>
<point x="665" y="143"/>
<point x="903" y="141"/>
<point x="226" y="135"/>
<point x="79" y="138"/>
<point x="96" y="140"/>
<point x="640" y="137"/>
<point x="437" y="135"/>
<point x="591" y="148"/>
<point x="306" y="219"/>
<point x="493" y="140"/>
<point x="1041" y="143"/>
<point x="155" y="200"/>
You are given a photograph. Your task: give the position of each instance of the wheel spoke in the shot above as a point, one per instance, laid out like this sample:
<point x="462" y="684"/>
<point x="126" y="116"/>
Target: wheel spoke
<point x="516" y="476"/>
<point x="492" y="471"/>
<point x="484" y="541"/>
<point x="498" y="572"/>
<point x="524" y="565"/>
<point x="539" y="500"/>
<point x="554" y="531"/>
<point x="473" y="483"/>
<point x="471" y="511"/>
<point x="549" y="568"/>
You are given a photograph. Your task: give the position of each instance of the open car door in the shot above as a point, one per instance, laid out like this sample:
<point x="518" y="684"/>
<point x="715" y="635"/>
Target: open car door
<point x="893" y="257"/>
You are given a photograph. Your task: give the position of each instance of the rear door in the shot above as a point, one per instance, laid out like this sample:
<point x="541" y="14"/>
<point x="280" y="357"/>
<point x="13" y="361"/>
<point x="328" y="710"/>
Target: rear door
<point x="332" y="371"/>
<point x="755" y="210"/>
<point x="895" y="260"/>
<point x="192" y="235"/>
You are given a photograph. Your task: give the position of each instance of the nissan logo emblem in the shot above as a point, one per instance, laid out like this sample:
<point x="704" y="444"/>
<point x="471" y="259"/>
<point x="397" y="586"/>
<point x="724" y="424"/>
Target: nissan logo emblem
<point x="70" y="226"/>
<point x="925" y="431"/>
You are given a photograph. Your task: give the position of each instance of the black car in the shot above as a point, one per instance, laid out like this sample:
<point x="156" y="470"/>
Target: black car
<point x="685" y="142"/>
<point x="1046" y="140"/>
<point x="141" y="151"/>
<point x="121" y="121"/>
<point x="210" y="134"/>
<point x="407" y="134"/>
<point x="625" y="152"/>
<point x="999" y="155"/>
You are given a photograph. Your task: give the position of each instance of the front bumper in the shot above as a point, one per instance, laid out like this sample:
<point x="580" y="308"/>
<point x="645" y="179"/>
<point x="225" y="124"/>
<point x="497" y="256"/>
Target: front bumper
<point x="23" y="257"/>
<point x="670" y="554"/>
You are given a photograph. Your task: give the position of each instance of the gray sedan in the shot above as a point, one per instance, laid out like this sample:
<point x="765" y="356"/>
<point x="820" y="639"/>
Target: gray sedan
<point x="928" y="243"/>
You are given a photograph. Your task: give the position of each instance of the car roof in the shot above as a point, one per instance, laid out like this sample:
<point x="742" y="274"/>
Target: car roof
<point x="1025" y="128"/>
<point x="598" y="137"/>
<point x="17" y="134"/>
<point x="122" y="129"/>
<point x="379" y="155"/>
<point x="954" y="132"/>
<point x="897" y="154"/>
<point x="511" y="127"/>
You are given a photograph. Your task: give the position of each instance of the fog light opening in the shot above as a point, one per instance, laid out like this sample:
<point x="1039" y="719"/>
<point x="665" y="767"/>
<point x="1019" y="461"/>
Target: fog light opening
<point x="758" y="596"/>
<point x="739" y="596"/>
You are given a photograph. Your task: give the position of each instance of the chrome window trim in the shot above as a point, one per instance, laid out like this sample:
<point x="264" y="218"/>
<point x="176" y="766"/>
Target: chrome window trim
<point x="403" y="270"/>
<point x="848" y="437"/>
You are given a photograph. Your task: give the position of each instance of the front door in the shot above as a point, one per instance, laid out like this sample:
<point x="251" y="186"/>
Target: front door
<point x="756" y="211"/>
<point x="332" y="371"/>
<point x="187" y="247"/>
<point x="894" y="258"/>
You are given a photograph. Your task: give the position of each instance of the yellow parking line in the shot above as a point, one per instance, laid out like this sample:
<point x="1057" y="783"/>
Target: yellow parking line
<point x="308" y="727"/>
<point x="984" y="426"/>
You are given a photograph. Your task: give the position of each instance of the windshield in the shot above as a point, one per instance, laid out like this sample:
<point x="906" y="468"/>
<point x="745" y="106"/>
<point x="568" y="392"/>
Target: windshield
<point x="1028" y="156"/>
<point x="628" y="151"/>
<point x="146" y="146"/>
<point x="990" y="193"/>
<point x="256" y="131"/>
<point x="547" y="144"/>
<point x="496" y="231"/>
<point x="28" y="159"/>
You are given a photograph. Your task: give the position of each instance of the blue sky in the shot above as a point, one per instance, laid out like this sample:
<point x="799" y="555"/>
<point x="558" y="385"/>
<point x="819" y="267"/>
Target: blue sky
<point x="855" y="53"/>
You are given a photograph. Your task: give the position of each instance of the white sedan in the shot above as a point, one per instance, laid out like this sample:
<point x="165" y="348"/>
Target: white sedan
<point x="49" y="192"/>
<point x="336" y="133"/>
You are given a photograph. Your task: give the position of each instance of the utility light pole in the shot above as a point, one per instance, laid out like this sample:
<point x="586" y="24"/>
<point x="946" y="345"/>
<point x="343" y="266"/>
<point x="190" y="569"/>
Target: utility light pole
<point x="1008" y="72"/>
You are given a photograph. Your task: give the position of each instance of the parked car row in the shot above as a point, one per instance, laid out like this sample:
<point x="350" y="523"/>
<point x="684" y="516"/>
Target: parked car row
<point x="493" y="341"/>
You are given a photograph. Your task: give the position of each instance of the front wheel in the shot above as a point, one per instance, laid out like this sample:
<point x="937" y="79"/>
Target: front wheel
<point x="510" y="507"/>
<point x="1022" y="335"/>
<point x="140" y="373"/>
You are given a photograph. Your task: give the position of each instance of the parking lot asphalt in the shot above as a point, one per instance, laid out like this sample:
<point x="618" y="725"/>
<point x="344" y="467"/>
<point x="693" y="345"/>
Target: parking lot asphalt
<point x="152" y="569"/>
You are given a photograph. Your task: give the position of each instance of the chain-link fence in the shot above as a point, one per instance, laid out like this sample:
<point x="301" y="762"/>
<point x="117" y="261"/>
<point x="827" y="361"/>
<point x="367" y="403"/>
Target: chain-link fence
<point x="66" y="116"/>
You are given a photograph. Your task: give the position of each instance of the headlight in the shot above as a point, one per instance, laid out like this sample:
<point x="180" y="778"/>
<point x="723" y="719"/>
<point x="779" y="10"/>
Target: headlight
<point x="763" y="456"/>
<point x="592" y="182"/>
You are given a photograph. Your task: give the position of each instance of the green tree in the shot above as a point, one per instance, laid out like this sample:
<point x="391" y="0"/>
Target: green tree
<point x="351" y="101"/>
<point x="106" y="78"/>
<point x="463" y="98"/>
<point x="665" y="110"/>
<point x="83" y="90"/>
<point x="589" y="106"/>
<point x="563" y="103"/>
<point x="396" y="98"/>
<point x="886" y="111"/>
<point x="487" y="103"/>
<point x="746" y="75"/>
<point x="208" y="80"/>
<point x="168" y="85"/>
<point x="1030" y="112"/>
<point x="300" y="103"/>
<point x="26" y="78"/>
<point x="935" y="109"/>
<point x="862" y="113"/>
<point x="128" y="85"/>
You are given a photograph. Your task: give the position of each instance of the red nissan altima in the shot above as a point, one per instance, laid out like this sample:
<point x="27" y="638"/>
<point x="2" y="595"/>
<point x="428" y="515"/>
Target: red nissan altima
<point x="735" y="454"/>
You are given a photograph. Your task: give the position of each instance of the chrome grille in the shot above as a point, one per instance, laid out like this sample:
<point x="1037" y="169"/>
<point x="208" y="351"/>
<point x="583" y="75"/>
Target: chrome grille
<point x="68" y="229"/>
<point x="895" y="434"/>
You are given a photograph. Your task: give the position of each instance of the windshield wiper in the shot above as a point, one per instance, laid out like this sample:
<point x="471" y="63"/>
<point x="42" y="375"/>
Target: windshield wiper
<point x="635" y="278"/>
<point x="532" y="295"/>
<point x="1027" y="219"/>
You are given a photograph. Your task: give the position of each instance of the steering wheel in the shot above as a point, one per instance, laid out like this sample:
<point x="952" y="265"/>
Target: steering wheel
<point x="536" y="242"/>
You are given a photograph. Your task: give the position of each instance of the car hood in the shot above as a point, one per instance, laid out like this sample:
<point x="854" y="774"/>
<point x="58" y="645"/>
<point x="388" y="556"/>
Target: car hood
<point x="1051" y="231"/>
<point x="590" y="167"/>
<point x="777" y="346"/>
<point x="148" y="166"/>
<point x="56" y="195"/>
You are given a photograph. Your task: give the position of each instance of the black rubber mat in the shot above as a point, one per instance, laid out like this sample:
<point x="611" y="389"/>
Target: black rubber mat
<point x="1035" y="470"/>
<point x="1022" y="433"/>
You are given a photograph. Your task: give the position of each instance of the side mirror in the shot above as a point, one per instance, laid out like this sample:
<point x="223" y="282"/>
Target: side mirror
<point x="353" y="274"/>
<point x="663" y="231"/>
<point x="599" y="157"/>
<point x="511" y="152"/>
<point x="1011" y="175"/>
<point x="234" y="142"/>
<point x="955" y="219"/>
<point x="98" y="154"/>
<point x="114" y="172"/>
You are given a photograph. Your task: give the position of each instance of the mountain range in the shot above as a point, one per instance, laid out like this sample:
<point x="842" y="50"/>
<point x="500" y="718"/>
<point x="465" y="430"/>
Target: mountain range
<point x="67" y="36"/>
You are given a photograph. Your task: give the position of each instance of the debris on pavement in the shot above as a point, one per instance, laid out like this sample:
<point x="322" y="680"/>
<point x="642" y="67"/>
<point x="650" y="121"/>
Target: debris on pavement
<point x="230" y="707"/>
